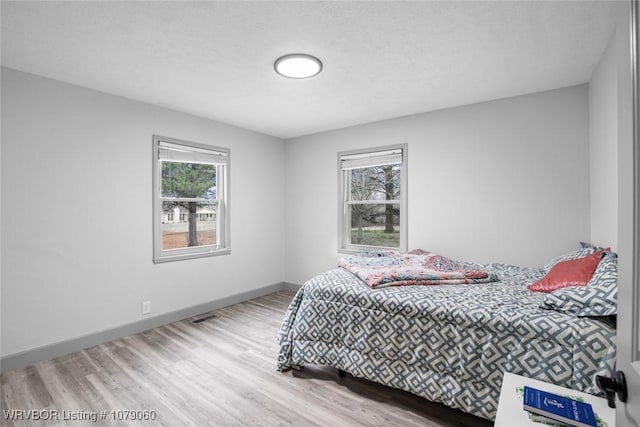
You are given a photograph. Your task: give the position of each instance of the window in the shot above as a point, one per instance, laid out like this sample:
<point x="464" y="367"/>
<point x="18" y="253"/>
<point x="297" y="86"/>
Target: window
<point x="373" y="199"/>
<point x="190" y="200"/>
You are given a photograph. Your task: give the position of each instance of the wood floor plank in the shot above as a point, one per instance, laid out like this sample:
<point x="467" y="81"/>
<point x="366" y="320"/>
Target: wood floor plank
<point x="220" y="372"/>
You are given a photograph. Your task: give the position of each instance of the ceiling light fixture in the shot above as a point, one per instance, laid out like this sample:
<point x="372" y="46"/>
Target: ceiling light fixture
<point x="298" y="66"/>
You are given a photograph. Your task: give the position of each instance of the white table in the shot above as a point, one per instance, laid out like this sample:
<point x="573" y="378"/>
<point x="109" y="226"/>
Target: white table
<point x="510" y="412"/>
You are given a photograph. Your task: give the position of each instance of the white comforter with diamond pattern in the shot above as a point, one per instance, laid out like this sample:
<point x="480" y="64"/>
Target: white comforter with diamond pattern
<point x="447" y="343"/>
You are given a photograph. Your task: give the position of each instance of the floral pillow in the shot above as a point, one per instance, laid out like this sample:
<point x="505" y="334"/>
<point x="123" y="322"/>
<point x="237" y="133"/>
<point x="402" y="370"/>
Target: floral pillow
<point x="598" y="298"/>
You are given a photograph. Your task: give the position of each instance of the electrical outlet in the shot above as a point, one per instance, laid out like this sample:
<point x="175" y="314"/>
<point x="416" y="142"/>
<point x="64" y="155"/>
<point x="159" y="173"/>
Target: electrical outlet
<point x="146" y="307"/>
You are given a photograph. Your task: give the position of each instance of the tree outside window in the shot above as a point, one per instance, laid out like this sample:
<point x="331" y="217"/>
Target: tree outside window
<point x="183" y="184"/>
<point x="190" y="200"/>
<point x="375" y="224"/>
<point x="372" y="199"/>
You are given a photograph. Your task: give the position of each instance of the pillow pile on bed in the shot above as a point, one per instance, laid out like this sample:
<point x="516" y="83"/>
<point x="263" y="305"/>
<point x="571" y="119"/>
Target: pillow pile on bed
<point x="598" y="297"/>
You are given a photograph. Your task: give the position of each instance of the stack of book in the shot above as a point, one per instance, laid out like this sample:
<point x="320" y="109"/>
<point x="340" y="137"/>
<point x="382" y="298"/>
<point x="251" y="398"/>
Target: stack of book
<point x="558" y="409"/>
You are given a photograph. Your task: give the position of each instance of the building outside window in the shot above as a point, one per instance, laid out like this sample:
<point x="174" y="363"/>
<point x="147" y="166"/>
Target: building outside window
<point x="190" y="200"/>
<point x="372" y="199"/>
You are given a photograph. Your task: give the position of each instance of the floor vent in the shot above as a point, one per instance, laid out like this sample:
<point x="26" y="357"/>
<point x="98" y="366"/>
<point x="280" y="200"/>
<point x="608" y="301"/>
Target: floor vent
<point x="202" y="319"/>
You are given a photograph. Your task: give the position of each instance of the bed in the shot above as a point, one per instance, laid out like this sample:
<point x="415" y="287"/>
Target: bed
<point x="451" y="343"/>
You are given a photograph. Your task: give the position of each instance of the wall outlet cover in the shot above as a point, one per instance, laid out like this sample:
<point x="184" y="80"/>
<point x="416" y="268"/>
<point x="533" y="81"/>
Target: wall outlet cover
<point x="146" y="307"/>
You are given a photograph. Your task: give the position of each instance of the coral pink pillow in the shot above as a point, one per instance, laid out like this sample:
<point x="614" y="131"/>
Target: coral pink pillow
<point x="574" y="272"/>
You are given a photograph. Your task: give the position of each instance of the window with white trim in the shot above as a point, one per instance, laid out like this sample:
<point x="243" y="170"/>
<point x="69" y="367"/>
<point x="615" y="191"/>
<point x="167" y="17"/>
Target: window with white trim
<point x="373" y="199"/>
<point x="190" y="200"/>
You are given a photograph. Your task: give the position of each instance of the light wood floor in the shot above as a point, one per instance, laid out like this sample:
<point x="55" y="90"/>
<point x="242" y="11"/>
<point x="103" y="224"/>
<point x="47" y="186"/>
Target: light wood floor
<point x="217" y="373"/>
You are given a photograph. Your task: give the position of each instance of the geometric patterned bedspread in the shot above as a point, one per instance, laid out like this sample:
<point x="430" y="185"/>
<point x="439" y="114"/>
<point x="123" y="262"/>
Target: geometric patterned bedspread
<point x="447" y="343"/>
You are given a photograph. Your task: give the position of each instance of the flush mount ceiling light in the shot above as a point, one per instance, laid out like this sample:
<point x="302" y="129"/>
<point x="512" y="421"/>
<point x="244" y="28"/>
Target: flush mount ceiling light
<point x="298" y="66"/>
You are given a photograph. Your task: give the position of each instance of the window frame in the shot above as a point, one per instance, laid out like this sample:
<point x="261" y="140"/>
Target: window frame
<point x="344" y="202"/>
<point x="222" y="247"/>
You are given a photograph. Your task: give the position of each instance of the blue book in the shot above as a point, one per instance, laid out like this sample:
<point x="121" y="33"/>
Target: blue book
<point x="559" y="408"/>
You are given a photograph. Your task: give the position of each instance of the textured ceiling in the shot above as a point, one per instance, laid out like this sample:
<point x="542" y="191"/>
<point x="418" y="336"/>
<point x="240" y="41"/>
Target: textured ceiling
<point x="381" y="59"/>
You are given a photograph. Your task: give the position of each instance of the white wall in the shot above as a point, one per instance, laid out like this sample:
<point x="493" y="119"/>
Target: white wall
<point x="603" y="148"/>
<point x="504" y="181"/>
<point x="77" y="210"/>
